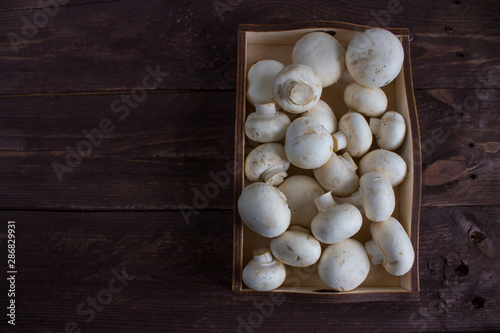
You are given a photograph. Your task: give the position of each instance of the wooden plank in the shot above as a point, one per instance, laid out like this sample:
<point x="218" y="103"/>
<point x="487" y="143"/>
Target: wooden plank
<point x="460" y="146"/>
<point x="179" y="276"/>
<point x="164" y="153"/>
<point x="170" y="148"/>
<point x="106" y="46"/>
<point x="11" y="5"/>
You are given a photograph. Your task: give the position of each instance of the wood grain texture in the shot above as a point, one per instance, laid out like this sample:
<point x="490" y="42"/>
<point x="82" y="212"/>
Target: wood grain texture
<point x="168" y="150"/>
<point x="179" y="276"/>
<point x="153" y="201"/>
<point x="460" y="146"/>
<point x="11" y="5"/>
<point x="102" y="46"/>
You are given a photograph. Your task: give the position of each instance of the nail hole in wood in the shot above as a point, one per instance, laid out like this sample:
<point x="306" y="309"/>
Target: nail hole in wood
<point x="471" y="144"/>
<point x="473" y="176"/>
<point x="448" y="29"/>
<point x="478" y="302"/>
<point x="461" y="54"/>
<point x="462" y="269"/>
<point x="477" y="237"/>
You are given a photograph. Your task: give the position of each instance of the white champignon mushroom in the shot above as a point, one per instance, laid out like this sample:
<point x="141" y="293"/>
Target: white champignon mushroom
<point x="300" y="192"/>
<point x="344" y="265"/>
<point x="369" y="101"/>
<point x="390" y="130"/>
<point x="335" y="223"/>
<point x="260" y="81"/>
<point x="296" y="247"/>
<point x="338" y="175"/>
<point x="263" y="272"/>
<point x="375" y="197"/>
<point x="323" y="53"/>
<point x="266" y="124"/>
<point x="354" y="134"/>
<point x="389" y="164"/>
<point x="391" y="247"/>
<point x="297" y="88"/>
<point x="308" y="144"/>
<point x="374" y="57"/>
<point x="264" y="209"/>
<point x="267" y="163"/>
<point x="323" y="113"/>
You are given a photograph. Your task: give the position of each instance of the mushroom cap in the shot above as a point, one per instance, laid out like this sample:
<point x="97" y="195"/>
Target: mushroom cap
<point x="323" y="113"/>
<point x="359" y="136"/>
<point x="376" y="196"/>
<point x="264" y="209"/>
<point x="369" y="101"/>
<point x="297" y="88"/>
<point x="344" y="266"/>
<point x="266" y="126"/>
<point x="323" y="53"/>
<point x="265" y="159"/>
<point x="338" y="175"/>
<point x="296" y="247"/>
<point x="260" y="81"/>
<point x="389" y="164"/>
<point x="395" y="245"/>
<point x="336" y="223"/>
<point x="374" y="57"/>
<point x="390" y="130"/>
<point x="308" y="144"/>
<point x="263" y="272"/>
<point x="300" y="192"/>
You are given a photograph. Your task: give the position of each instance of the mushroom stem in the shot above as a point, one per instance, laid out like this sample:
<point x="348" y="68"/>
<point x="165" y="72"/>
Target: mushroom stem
<point x="356" y="200"/>
<point x="266" y="109"/>
<point x="374" y="252"/>
<point x="263" y="255"/>
<point x="339" y="141"/>
<point x="324" y="201"/>
<point x="300" y="93"/>
<point x="350" y="162"/>
<point x="375" y="125"/>
<point x="274" y="176"/>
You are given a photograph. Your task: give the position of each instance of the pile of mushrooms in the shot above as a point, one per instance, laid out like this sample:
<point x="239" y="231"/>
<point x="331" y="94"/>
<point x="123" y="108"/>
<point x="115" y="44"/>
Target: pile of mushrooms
<point x="311" y="217"/>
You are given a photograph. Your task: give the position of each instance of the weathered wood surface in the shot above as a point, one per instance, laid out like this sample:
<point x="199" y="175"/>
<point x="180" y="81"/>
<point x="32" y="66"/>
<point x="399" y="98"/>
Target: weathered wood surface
<point x="460" y="138"/>
<point x="170" y="146"/>
<point x="179" y="276"/>
<point x="12" y="5"/>
<point x="137" y="204"/>
<point x="164" y="148"/>
<point x="90" y="46"/>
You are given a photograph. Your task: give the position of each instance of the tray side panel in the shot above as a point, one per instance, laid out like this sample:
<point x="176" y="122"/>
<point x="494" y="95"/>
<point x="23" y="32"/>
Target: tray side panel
<point x="238" y="161"/>
<point x="417" y="163"/>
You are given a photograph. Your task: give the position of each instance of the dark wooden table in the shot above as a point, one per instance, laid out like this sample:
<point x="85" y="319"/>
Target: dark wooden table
<point x="146" y="91"/>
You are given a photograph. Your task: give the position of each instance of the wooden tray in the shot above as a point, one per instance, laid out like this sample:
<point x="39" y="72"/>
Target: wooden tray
<point x="259" y="42"/>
